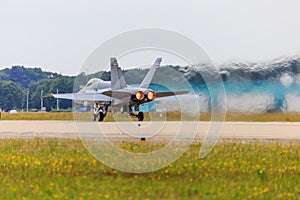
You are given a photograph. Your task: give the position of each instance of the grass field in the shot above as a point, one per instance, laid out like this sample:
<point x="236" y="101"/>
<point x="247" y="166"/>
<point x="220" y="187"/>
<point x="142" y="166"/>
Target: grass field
<point x="172" y="116"/>
<point x="63" y="169"/>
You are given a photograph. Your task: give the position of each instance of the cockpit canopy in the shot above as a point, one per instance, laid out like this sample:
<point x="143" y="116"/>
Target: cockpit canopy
<point x="93" y="81"/>
<point x="97" y="84"/>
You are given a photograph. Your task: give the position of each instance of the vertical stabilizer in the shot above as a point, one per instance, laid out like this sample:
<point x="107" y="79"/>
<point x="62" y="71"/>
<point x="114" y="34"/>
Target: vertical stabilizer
<point x="117" y="78"/>
<point x="148" y="78"/>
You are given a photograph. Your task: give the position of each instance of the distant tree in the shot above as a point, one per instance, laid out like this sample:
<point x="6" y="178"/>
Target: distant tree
<point x="25" y="76"/>
<point x="11" y="95"/>
<point x="35" y="92"/>
<point x="135" y="76"/>
<point x="63" y="84"/>
<point x="80" y="81"/>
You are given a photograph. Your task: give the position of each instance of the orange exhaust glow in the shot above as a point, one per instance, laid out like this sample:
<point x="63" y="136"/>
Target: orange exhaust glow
<point x="151" y="95"/>
<point x="139" y="95"/>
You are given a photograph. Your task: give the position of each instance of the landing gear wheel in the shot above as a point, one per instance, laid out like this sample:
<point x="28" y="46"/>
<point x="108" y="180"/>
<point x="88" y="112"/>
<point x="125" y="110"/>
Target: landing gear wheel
<point x="101" y="116"/>
<point x="140" y="116"/>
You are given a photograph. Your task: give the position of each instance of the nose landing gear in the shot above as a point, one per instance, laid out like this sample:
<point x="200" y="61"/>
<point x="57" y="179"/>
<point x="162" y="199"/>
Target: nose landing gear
<point x="140" y="116"/>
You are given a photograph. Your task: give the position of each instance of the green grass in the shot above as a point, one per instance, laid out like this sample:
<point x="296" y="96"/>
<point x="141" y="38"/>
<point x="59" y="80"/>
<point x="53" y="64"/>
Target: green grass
<point x="63" y="169"/>
<point x="37" y="116"/>
<point x="171" y="116"/>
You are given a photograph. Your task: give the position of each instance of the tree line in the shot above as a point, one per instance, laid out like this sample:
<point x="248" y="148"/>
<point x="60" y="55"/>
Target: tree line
<point x="18" y="80"/>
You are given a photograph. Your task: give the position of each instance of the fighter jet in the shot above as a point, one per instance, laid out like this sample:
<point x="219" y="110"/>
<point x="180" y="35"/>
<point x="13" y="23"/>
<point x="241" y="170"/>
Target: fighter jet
<point x="117" y="94"/>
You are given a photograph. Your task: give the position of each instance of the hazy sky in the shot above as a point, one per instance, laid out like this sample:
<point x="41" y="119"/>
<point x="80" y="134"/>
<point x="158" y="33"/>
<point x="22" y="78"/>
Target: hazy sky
<point x="59" y="35"/>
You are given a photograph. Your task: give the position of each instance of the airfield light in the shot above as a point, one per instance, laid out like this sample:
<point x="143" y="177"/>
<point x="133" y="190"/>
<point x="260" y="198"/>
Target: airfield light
<point x="151" y="95"/>
<point x="139" y="95"/>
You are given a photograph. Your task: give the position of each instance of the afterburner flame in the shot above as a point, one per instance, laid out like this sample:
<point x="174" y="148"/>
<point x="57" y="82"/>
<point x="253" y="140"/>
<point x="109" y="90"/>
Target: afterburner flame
<point x="139" y="95"/>
<point x="151" y="95"/>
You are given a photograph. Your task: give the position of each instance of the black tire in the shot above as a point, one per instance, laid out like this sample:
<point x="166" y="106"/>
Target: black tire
<point x="101" y="116"/>
<point x="140" y="116"/>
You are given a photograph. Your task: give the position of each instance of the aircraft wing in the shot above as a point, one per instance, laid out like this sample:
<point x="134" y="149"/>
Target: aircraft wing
<point x="175" y="96"/>
<point x="82" y="96"/>
<point x="167" y="94"/>
<point x="117" y="94"/>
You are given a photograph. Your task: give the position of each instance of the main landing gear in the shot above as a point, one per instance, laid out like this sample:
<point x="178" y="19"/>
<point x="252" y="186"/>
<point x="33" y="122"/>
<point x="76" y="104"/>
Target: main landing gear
<point x="139" y="116"/>
<point x="102" y="110"/>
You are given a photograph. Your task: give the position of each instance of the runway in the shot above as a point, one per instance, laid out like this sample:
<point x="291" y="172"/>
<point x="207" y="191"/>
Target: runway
<point x="164" y="130"/>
